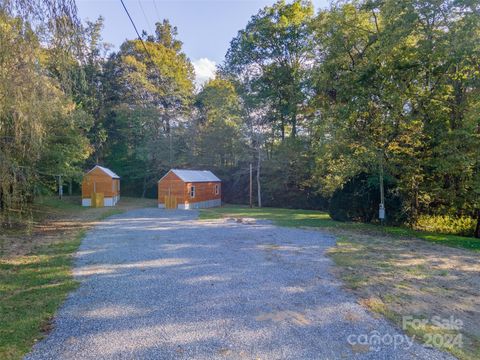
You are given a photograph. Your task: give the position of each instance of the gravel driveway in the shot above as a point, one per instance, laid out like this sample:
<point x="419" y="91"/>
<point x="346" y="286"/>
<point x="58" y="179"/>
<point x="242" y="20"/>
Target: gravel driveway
<point x="159" y="284"/>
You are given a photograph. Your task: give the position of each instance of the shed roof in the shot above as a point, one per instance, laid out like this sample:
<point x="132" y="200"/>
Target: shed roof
<point x="194" y="175"/>
<point x="106" y="171"/>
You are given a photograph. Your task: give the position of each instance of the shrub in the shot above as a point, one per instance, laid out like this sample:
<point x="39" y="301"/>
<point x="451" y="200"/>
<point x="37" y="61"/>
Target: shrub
<point x="464" y="225"/>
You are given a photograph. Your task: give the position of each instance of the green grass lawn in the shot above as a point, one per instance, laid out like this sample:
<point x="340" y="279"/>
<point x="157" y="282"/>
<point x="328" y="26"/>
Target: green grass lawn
<point x="318" y="219"/>
<point x="32" y="287"/>
<point x="35" y="277"/>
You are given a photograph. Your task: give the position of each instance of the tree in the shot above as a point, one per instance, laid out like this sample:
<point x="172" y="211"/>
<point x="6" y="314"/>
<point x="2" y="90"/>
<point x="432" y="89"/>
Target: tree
<point x="269" y="62"/>
<point x="394" y="87"/>
<point x="218" y="140"/>
<point x="273" y="54"/>
<point x="149" y="85"/>
<point x="36" y="117"/>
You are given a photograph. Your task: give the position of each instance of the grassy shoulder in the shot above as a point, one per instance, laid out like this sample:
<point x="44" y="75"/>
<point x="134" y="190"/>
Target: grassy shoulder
<point x="318" y="219"/>
<point x="32" y="287"/>
<point x="35" y="268"/>
<point x="397" y="272"/>
<point x="408" y="277"/>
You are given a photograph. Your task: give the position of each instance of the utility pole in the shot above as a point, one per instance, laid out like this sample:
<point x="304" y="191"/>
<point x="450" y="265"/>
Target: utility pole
<point x="381" y="209"/>
<point x="251" y="186"/>
<point x="60" y="187"/>
<point x="170" y="145"/>
<point x="259" y="188"/>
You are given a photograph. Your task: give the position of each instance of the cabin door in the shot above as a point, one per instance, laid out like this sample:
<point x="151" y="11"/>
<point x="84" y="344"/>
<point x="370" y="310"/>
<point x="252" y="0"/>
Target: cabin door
<point x="170" y="200"/>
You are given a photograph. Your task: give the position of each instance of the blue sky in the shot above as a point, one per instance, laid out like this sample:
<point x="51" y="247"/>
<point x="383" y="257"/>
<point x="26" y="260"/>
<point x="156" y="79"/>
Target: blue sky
<point x="205" y="26"/>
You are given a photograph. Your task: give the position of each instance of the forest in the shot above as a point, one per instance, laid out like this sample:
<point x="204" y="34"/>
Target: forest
<point x="328" y="107"/>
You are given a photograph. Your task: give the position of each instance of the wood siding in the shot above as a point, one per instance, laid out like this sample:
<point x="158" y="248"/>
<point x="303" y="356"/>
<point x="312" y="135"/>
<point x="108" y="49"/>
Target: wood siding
<point x="98" y="181"/>
<point x="203" y="191"/>
<point x="172" y="185"/>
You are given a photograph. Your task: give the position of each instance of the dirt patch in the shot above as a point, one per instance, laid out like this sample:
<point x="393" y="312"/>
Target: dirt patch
<point x="244" y="220"/>
<point x="404" y="278"/>
<point x="54" y="222"/>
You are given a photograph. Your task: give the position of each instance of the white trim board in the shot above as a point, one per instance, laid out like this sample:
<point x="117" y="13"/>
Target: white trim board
<point x="107" y="202"/>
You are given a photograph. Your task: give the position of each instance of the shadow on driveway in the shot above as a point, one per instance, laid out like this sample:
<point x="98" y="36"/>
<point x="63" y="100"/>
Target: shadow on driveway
<point x="158" y="284"/>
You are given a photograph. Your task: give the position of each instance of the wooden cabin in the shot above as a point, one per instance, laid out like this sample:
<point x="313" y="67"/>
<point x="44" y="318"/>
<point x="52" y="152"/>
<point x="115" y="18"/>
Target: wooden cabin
<point x="189" y="189"/>
<point x="100" y="187"/>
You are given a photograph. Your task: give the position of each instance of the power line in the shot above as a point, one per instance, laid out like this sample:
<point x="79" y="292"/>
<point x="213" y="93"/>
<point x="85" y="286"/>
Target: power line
<point x="145" y="16"/>
<point x="156" y="10"/>
<point x="136" y="30"/>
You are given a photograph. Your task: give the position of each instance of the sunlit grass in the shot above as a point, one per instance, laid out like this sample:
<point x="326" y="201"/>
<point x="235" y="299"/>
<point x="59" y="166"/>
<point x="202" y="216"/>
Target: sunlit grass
<point x="32" y="287"/>
<point x="372" y="266"/>
<point x="284" y="216"/>
<point x="319" y="219"/>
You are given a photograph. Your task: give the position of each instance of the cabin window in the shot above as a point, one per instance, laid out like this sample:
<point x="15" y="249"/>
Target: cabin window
<point x="217" y="189"/>
<point x="192" y="191"/>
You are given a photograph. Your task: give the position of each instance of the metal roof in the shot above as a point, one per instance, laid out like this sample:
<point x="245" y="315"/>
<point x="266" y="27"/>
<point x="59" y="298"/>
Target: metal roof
<point x="194" y="175"/>
<point x="106" y="171"/>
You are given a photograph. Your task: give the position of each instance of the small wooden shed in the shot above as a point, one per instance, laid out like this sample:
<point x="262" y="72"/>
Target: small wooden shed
<point x="100" y="183"/>
<point x="189" y="189"/>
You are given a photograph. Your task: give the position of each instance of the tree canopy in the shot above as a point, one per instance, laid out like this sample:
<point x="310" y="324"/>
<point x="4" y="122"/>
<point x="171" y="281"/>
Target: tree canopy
<point x="325" y="106"/>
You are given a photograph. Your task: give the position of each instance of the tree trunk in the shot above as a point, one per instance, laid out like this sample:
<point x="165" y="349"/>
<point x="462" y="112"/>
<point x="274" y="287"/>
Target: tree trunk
<point x="251" y="186"/>
<point x="170" y="147"/>
<point x="70" y="187"/>
<point x="294" y="125"/>
<point x="259" y="189"/>
<point x="477" y="229"/>
<point x="168" y="130"/>
<point x="282" y="129"/>
<point x="60" y="187"/>
<point x="144" y="191"/>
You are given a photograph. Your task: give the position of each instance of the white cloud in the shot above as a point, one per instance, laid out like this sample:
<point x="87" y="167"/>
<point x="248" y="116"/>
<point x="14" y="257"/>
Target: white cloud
<point x="204" y="70"/>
